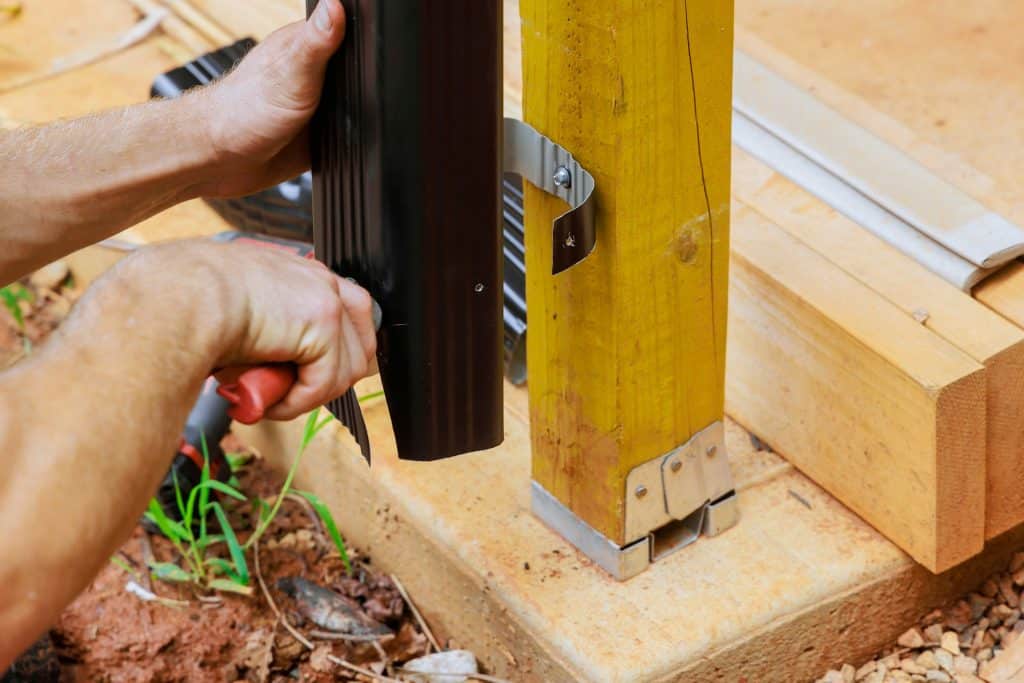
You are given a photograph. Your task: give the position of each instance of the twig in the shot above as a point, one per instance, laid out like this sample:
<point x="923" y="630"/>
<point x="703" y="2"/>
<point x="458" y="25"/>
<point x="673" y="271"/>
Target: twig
<point x="200" y="22"/>
<point x="273" y="605"/>
<point x="360" y="670"/>
<point x="416" y="613"/>
<point x="177" y="29"/>
<point x="329" y="635"/>
<point x="313" y="517"/>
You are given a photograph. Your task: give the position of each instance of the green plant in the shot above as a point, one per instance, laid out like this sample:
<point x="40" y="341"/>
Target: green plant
<point x="12" y="295"/>
<point x="192" y="539"/>
<point x="267" y="513"/>
<point x="201" y="568"/>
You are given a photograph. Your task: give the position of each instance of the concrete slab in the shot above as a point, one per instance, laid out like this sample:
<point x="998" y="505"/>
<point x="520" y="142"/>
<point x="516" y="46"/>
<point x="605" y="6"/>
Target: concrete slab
<point x="799" y="585"/>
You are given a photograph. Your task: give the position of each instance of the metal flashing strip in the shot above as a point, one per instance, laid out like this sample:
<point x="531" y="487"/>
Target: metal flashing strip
<point x="877" y="170"/>
<point x="670" y="502"/>
<point x="853" y="204"/>
<point x="553" y="169"/>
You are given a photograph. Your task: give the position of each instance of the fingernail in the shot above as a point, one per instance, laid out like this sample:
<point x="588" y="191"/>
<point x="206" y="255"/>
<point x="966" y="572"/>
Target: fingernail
<point x="322" y="16"/>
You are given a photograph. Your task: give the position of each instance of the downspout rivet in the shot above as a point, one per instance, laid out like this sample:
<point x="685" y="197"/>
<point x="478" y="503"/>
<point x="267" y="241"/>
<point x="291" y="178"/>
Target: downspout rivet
<point x="711" y="451"/>
<point x="676" y="465"/>
<point x="641" y="491"/>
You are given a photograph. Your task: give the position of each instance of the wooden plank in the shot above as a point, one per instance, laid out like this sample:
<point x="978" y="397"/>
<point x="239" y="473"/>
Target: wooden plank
<point x="942" y="308"/>
<point x="880" y="411"/>
<point x="46" y="32"/>
<point x="1004" y="293"/>
<point x="255" y="18"/>
<point x="633" y="337"/>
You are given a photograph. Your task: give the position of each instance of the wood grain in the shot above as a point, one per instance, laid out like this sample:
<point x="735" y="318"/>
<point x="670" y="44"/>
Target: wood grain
<point x="876" y="408"/>
<point x="631" y="340"/>
<point x="940" y="307"/>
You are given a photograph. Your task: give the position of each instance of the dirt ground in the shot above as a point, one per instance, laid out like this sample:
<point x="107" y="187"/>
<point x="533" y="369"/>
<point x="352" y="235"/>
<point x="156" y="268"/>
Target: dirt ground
<point x="111" y="634"/>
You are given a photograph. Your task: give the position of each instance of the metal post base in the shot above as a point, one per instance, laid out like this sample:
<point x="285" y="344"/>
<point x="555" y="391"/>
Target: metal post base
<point x="670" y="501"/>
<point x="625" y="562"/>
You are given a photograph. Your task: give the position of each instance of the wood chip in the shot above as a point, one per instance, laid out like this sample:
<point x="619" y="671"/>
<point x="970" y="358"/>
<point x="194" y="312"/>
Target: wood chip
<point x="849" y="673"/>
<point x="1007" y="590"/>
<point x="944" y="659"/>
<point x="938" y="677"/>
<point x="863" y="672"/>
<point x="912" y="667"/>
<point x="927" y="660"/>
<point x="1017" y="562"/>
<point x="933" y="634"/>
<point x="1007" y="666"/>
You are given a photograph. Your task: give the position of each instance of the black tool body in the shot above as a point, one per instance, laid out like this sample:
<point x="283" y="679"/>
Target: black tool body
<point x="406" y="152"/>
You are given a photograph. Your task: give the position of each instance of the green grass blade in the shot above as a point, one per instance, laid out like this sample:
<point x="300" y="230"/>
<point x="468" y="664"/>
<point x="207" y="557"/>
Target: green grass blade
<point x="223" y="488"/>
<point x="332" y="529"/>
<point x="234" y="547"/>
<point x="231" y="587"/>
<point x="168" y="571"/>
<point x="370" y="397"/>
<point x="168" y="527"/>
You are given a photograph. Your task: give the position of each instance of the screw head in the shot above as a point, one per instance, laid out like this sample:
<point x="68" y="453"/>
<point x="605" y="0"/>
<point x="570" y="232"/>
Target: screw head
<point x="562" y="177"/>
<point x="479" y="287"/>
<point x="641" y="491"/>
<point x="711" y="451"/>
<point x="676" y="466"/>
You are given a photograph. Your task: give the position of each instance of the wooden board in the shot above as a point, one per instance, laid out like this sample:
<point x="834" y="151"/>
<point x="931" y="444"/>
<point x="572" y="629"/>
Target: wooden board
<point x="956" y="115"/>
<point x="942" y="308"/>
<point x="633" y="337"/>
<point x="880" y="411"/>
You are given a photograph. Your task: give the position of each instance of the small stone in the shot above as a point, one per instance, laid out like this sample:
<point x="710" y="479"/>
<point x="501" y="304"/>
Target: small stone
<point x="898" y="676"/>
<point x="938" y="677"/>
<point x="999" y="612"/>
<point x="958" y="617"/>
<point x="984" y="655"/>
<point x="875" y="677"/>
<point x="927" y="660"/>
<point x="50" y="276"/>
<point x="990" y="588"/>
<point x="967" y="678"/>
<point x="1018" y="577"/>
<point x="979" y="603"/>
<point x="944" y="659"/>
<point x="462" y="663"/>
<point x="933" y="634"/>
<point x="890" y="661"/>
<point x="934" y="617"/>
<point x="911" y="638"/>
<point x="912" y="667"/>
<point x="1017" y="562"/>
<point x="1008" y="592"/>
<point x="964" y="665"/>
<point x="848" y="673"/>
<point x="950" y="642"/>
<point x="979" y="639"/>
<point x="1013" y="619"/>
<point x="863" y="672"/>
<point x="831" y="676"/>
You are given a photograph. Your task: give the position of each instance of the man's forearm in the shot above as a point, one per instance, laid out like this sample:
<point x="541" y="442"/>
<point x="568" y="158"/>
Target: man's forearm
<point x="89" y="425"/>
<point x="69" y="184"/>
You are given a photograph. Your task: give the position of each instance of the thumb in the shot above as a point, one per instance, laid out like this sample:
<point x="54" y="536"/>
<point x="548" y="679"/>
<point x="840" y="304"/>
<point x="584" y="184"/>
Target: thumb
<point x="320" y="37"/>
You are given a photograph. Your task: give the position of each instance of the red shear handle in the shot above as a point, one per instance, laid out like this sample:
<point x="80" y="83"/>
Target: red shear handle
<point x="256" y="389"/>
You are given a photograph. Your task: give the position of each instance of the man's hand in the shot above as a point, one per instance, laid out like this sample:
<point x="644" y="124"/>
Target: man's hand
<point x="259" y="113"/>
<point x="69" y="184"/>
<point x="248" y="305"/>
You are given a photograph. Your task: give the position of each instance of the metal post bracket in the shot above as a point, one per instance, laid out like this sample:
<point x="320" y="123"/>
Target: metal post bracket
<point x="553" y="169"/>
<point x="671" y="501"/>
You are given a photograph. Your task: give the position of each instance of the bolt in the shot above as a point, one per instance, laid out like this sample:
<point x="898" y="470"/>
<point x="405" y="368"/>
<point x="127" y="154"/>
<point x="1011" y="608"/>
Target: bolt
<point x="641" y="491"/>
<point x="676" y="465"/>
<point x="711" y="451"/>
<point x="562" y="177"/>
<point x="479" y="287"/>
<point x="570" y="241"/>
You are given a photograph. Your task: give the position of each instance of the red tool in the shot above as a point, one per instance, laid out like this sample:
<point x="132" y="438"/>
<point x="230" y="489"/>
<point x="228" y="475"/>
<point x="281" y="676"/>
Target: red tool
<point x="252" y="391"/>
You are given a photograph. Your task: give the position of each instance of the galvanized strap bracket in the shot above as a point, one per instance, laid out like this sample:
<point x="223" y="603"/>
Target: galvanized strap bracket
<point x="553" y="169"/>
<point x="671" y="501"/>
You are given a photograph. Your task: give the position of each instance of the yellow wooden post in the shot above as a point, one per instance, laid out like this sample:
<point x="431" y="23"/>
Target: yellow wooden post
<point x="627" y="349"/>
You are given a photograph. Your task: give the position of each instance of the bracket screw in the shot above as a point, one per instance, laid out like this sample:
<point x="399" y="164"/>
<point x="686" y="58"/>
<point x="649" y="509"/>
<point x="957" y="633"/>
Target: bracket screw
<point x="676" y="466"/>
<point x="641" y="491"/>
<point x="562" y="177"/>
<point x="479" y="287"/>
<point x="711" y="451"/>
